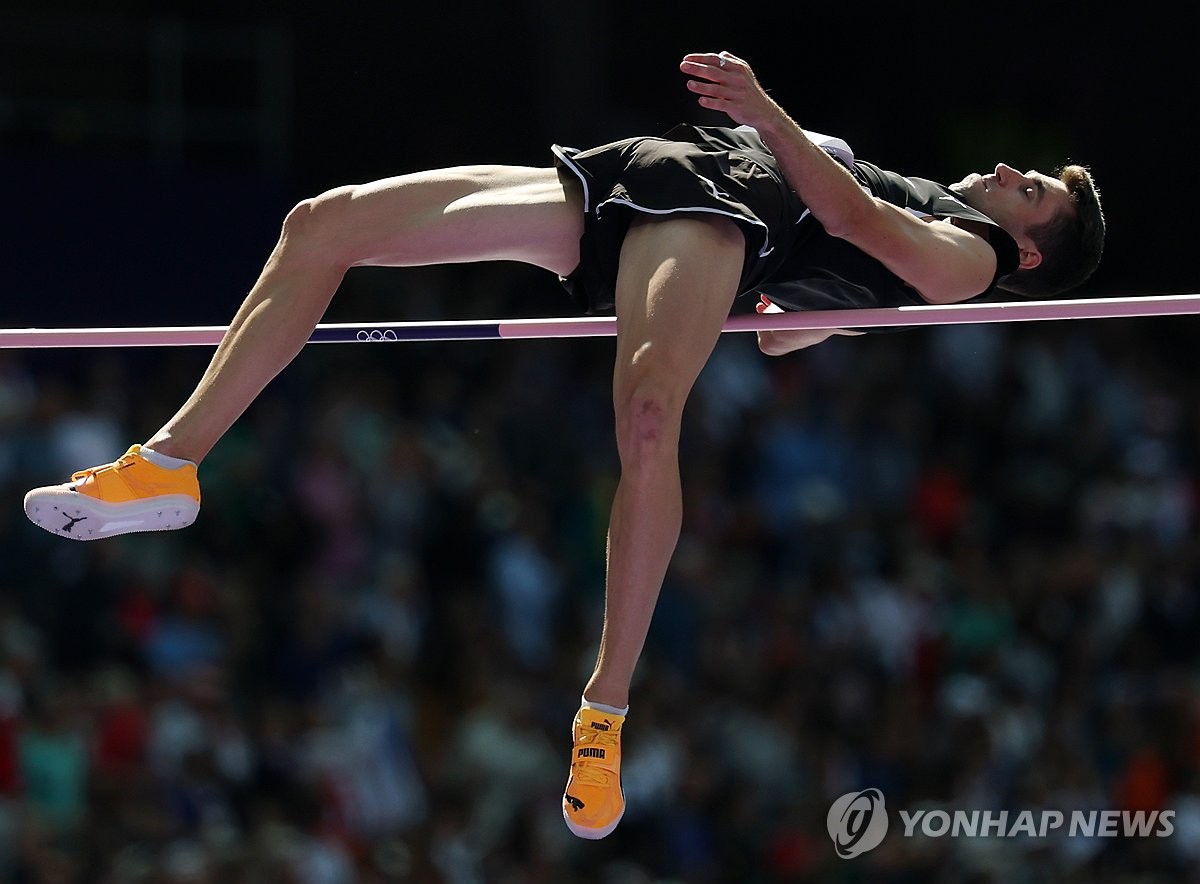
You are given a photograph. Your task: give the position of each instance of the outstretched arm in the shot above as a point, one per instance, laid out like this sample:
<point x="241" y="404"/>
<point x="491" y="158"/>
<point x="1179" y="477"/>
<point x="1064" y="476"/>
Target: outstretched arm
<point x="942" y="262"/>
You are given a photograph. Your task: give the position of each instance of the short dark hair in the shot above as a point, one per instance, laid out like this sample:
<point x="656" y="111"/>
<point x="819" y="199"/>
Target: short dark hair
<point x="1071" y="242"/>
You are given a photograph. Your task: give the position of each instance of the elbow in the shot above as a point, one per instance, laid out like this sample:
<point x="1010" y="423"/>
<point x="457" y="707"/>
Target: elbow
<point x="851" y="220"/>
<point x="772" y="344"/>
<point x="780" y="343"/>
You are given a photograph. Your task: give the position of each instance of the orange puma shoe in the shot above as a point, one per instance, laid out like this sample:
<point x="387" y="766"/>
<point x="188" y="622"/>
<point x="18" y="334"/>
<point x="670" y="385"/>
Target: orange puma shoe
<point x="130" y="494"/>
<point x="593" y="802"/>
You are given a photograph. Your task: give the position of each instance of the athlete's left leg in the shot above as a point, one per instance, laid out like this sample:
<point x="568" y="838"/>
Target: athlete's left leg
<point x="676" y="282"/>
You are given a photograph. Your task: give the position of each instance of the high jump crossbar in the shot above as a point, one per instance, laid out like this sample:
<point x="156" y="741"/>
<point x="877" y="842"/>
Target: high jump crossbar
<point x="606" y="326"/>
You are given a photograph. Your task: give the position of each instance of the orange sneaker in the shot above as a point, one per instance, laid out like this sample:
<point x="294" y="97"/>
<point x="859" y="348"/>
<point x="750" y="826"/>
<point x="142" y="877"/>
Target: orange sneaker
<point x="130" y="494"/>
<point x="593" y="802"/>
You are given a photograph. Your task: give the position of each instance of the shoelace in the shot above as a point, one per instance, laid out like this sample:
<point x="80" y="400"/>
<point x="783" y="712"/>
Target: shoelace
<point x="595" y="771"/>
<point x="123" y="461"/>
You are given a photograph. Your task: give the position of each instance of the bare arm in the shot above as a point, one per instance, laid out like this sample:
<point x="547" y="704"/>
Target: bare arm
<point x="942" y="262"/>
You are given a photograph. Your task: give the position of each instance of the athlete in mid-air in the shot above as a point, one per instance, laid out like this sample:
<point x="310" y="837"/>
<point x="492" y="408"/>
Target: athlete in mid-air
<point x="665" y="231"/>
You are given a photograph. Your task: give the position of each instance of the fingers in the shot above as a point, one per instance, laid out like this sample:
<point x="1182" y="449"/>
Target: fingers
<point x="701" y="65"/>
<point x="714" y="59"/>
<point x="714" y="96"/>
<point x="769" y="341"/>
<point x="711" y="65"/>
<point x="721" y="77"/>
<point x="766" y="305"/>
<point x="725" y="83"/>
<point x="712" y="90"/>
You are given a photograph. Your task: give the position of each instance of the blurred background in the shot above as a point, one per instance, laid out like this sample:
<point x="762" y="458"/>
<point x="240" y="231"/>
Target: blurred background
<point x="959" y="565"/>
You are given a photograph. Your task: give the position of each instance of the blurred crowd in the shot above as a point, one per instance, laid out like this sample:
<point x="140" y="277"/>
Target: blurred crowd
<point x="959" y="565"/>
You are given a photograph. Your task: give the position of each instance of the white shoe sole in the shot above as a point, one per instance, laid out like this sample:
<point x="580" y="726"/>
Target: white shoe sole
<point x="589" y="833"/>
<point x="67" y="513"/>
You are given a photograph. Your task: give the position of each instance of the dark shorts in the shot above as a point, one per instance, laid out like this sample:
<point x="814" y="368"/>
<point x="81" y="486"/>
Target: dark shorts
<point x="690" y="170"/>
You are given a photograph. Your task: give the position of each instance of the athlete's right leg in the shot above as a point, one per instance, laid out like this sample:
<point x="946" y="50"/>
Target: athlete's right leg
<point x="472" y="213"/>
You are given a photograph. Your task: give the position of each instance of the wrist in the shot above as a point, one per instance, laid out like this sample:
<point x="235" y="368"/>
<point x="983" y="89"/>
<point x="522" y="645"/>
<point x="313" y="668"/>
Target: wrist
<point x="775" y="124"/>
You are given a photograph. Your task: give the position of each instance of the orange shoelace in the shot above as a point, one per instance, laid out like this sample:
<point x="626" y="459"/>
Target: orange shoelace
<point x="596" y="771"/>
<point x="120" y="463"/>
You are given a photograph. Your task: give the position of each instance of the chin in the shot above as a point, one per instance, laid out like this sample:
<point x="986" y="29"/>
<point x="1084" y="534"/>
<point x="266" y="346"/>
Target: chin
<point x="970" y="189"/>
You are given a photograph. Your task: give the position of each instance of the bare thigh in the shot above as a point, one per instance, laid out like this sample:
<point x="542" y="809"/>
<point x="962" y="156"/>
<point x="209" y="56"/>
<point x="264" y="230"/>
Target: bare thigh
<point x="677" y="280"/>
<point x="455" y="215"/>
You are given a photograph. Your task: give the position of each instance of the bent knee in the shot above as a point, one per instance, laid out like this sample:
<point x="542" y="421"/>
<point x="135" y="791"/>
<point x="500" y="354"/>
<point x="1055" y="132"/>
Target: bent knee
<point x="648" y="418"/>
<point x="312" y="213"/>
<point x="317" y="219"/>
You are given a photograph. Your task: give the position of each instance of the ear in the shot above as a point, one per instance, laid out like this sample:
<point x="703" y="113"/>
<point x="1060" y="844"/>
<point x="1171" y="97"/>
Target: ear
<point x="1030" y="258"/>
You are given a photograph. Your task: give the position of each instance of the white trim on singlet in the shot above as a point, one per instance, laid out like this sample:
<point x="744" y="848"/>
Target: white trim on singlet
<point x="766" y="249"/>
<point x="561" y="154"/>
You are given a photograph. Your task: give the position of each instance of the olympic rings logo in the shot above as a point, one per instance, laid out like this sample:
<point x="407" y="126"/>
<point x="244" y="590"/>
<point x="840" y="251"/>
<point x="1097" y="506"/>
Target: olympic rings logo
<point x="375" y="334"/>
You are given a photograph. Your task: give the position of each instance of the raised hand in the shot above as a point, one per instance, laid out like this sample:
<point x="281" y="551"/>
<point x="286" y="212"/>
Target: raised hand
<point x="726" y="83"/>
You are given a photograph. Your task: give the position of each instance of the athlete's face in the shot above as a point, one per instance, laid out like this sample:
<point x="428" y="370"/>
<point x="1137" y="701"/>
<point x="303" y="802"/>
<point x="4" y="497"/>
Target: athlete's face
<point x="1016" y="201"/>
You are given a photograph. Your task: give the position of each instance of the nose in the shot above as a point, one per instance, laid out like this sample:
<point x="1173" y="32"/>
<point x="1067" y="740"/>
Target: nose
<point x="1007" y="174"/>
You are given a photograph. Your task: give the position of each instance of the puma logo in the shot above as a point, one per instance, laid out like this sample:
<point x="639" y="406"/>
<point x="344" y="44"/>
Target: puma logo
<point x="71" y="523"/>
<point x="575" y="803"/>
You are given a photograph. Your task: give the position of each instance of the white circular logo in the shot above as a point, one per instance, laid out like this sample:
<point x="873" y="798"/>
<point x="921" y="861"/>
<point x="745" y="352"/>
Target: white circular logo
<point x="857" y="822"/>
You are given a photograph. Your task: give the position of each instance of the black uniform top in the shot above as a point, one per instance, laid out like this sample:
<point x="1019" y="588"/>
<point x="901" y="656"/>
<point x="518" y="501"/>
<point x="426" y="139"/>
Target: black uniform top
<point x="731" y="172"/>
<point x="823" y="272"/>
